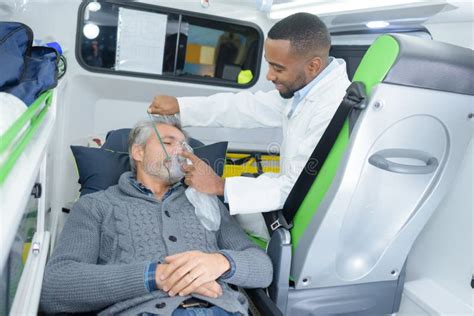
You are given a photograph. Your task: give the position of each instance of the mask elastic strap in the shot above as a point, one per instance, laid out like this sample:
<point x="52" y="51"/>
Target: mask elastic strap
<point x="168" y="158"/>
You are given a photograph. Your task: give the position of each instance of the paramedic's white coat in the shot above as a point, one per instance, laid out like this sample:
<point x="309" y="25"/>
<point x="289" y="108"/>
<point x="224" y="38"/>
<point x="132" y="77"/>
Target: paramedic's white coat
<point x="301" y="133"/>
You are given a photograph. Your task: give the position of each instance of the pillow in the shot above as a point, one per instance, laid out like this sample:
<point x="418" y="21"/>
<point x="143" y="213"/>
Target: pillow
<point x="213" y="155"/>
<point x="117" y="140"/>
<point x="100" y="168"/>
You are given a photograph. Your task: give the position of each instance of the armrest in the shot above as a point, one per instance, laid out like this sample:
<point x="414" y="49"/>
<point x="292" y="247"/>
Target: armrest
<point x="262" y="302"/>
<point x="279" y="251"/>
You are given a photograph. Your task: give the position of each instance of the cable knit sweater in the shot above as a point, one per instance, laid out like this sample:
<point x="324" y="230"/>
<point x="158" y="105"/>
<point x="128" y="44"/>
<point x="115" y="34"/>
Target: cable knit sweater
<point x="111" y="236"/>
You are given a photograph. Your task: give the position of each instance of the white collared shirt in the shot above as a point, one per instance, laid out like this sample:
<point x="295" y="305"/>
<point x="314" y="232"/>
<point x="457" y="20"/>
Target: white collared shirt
<point x="300" y="94"/>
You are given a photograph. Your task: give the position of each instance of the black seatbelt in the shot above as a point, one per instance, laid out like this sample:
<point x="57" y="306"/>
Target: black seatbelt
<point x="355" y="98"/>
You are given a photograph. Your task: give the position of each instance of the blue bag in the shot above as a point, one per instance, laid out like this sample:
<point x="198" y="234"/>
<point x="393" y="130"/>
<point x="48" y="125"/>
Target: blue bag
<point x="25" y="71"/>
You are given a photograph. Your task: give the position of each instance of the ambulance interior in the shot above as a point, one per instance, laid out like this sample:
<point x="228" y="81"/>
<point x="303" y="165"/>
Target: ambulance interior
<point x="419" y="251"/>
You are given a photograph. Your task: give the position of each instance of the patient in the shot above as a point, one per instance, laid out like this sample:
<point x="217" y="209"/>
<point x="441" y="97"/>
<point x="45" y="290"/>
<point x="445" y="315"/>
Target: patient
<point x="138" y="248"/>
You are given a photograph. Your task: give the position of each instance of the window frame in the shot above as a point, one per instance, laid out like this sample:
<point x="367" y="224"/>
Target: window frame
<point x="381" y="31"/>
<point x="174" y="78"/>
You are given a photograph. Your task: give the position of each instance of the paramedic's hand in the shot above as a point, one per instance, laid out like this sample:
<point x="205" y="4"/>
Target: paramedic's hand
<point x="209" y="289"/>
<point x="164" y="105"/>
<point x="201" y="177"/>
<point x="186" y="272"/>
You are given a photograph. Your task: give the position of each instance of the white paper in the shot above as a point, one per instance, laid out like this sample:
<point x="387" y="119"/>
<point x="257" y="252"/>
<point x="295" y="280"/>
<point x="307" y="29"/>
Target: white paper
<point x="140" y="41"/>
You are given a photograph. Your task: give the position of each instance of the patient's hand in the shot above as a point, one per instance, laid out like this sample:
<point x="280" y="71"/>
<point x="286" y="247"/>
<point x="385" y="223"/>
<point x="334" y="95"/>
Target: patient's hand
<point x="164" y="105"/>
<point x="210" y="289"/>
<point x="187" y="272"/>
<point x="160" y="268"/>
<point x="201" y="177"/>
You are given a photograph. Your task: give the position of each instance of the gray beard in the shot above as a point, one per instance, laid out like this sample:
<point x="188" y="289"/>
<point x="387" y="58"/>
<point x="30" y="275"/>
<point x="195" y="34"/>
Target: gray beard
<point x="157" y="170"/>
<point x="160" y="171"/>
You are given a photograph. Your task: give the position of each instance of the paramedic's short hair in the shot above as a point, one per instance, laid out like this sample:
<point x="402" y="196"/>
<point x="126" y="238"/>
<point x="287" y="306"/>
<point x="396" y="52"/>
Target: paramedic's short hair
<point x="143" y="129"/>
<point x="306" y="32"/>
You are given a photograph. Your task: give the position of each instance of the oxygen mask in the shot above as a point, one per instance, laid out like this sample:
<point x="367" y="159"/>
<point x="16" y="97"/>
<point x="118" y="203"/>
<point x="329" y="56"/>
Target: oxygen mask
<point x="173" y="160"/>
<point x="176" y="161"/>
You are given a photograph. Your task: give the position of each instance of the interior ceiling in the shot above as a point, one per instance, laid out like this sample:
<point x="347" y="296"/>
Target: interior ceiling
<point x="400" y="17"/>
<point x="437" y="11"/>
<point x="453" y="10"/>
<point x="289" y="1"/>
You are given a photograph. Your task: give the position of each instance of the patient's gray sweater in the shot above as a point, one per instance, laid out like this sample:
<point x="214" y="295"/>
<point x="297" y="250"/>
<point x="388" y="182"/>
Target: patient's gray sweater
<point x="111" y="236"/>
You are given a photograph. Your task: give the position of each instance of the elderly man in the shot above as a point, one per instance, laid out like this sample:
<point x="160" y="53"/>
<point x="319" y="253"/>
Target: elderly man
<point x="138" y="247"/>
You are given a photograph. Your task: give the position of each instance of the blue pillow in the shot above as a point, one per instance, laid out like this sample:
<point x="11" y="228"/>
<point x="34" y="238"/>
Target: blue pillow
<point x="213" y="155"/>
<point x="117" y="140"/>
<point x="100" y="168"/>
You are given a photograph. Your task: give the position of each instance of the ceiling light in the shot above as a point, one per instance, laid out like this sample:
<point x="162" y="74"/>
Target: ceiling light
<point x="377" y="24"/>
<point x="94" y="6"/>
<point x="91" y="31"/>
<point x="205" y="4"/>
<point x="264" y="5"/>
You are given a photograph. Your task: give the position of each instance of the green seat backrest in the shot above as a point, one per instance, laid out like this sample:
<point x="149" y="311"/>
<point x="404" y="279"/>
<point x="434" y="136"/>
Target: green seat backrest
<point x="375" y="65"/>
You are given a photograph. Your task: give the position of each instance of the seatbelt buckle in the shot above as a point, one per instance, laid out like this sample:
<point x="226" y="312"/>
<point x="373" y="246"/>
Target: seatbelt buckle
<point x="275" y="220"/>
<point x="280" y="221"/>
<point x="276" y="224"/>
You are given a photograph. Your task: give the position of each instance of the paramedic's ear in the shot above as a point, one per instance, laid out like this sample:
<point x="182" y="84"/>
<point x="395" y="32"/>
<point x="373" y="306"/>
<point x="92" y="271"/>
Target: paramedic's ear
<point x="315" y="66"/>
<point x="138" y="152"/>
<point x="164" y="105"/>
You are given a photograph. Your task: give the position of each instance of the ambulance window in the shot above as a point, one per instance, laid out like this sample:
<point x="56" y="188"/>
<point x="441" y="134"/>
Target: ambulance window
<point x="142" y="40"/>
<point x="352" y="54"/>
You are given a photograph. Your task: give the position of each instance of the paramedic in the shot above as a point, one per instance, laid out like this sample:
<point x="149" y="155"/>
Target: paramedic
<point x="309" y="84"/>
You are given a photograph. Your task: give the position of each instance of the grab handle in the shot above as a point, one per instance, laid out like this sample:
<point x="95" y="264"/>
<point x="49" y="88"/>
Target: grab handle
<point x="381" y="160"/>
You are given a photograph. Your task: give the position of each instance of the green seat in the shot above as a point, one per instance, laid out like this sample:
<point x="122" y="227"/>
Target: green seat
<point x="373" y="68"/>
<point x="382" y="53"/>
<point x="389" y="165"/>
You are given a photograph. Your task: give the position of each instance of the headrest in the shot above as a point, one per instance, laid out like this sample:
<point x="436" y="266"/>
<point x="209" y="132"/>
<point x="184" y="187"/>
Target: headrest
<point x="417" y="62"/>
<point x="429" y="64"/>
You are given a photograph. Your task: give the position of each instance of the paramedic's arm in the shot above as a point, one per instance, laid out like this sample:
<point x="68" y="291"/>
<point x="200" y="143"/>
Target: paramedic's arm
<point x="235" y="110"/>
<point x="269" y="191"/>
<point x="74" y="281"/>
<point x="266" y="193"/>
